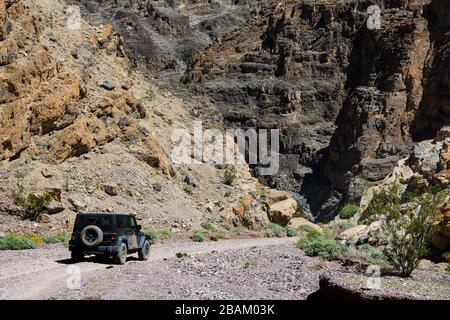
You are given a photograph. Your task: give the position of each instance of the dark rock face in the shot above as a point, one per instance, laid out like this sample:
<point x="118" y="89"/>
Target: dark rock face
<point x="285" y="70"/>
<point x="434" y="111"/>
<point x="344" y="96"/>
<point x="385" y="88"/>
<point x="164" y="35"/>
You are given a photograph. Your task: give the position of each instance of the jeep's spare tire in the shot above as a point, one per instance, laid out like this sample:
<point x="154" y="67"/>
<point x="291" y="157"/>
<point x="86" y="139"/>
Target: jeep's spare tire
<point x="91" y="236"/>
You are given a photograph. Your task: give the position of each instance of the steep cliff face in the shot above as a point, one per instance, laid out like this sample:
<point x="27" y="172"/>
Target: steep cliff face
<point x="434" y="109"/>
<point x="385" y="83"/>
<point x="284" y="70"/>
<point x="163" y="35"/>
<point x="345" y="96"/>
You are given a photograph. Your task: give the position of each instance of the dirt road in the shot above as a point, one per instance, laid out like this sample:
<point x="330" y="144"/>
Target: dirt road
<point x="244" y="268"/>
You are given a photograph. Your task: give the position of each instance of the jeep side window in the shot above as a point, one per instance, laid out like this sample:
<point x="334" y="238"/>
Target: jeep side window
<point x="121" y="222"/>
<point x="132" y="222"/>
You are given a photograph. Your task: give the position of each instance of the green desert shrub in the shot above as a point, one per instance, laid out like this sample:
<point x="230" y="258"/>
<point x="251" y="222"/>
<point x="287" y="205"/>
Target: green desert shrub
<point x="149" y="95"/>
<point x="198" y="236"/>
<point x="214" y="237"/>
<point x="229" y="175"/>
<point x="16" y="242"/>
<point x="57" y="238"/>
<point x="33" y="204"/>
<point x="156" y="234"/>
<point x="208" y="226"/>
<point x="299" y="213"/>
<point x="188" y="189"/>
<point x="290" y="231"/>
<point x="275" y="229"/>
<point x="180" y="255"/>
<point x="348" y="210"/>
<point x="407" y="223"/>
<point x="36" y="238"/>
<point x="316" y="244"/>
<point x="376" y="255"/>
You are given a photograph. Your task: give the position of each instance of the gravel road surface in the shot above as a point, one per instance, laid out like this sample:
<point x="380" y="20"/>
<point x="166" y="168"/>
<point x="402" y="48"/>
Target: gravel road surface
<point x="229" y="269"/>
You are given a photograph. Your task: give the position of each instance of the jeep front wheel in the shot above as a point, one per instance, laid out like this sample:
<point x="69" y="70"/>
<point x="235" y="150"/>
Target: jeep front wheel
<point x="121" y="256"/>
<point x="144" y="252"/>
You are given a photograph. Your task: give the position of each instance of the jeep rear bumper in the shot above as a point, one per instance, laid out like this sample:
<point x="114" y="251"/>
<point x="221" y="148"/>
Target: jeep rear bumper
<point x="104" y="250"/>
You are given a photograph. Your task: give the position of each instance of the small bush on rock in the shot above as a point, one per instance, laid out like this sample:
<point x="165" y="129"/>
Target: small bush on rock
<point x="229" y="175"/>
<point x="208" y="226"/>
<point x="348" y="210"/>
<point x="149" y="95"/>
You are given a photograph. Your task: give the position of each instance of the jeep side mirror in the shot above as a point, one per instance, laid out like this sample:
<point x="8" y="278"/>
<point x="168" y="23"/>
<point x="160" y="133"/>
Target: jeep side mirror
<point x="139" y="227"/>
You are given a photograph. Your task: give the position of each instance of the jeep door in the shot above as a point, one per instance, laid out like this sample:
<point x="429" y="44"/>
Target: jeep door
<point x="128" y="225"/>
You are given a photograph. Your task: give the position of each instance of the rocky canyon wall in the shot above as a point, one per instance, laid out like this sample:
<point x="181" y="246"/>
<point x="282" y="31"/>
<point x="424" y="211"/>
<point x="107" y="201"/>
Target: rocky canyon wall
<point x="350" y="101"/>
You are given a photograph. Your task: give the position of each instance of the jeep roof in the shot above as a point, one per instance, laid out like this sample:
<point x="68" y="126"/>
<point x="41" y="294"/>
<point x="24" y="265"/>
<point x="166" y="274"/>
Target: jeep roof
<point x="103" y="220"/>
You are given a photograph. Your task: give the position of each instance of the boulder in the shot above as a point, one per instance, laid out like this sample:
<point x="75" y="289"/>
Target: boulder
<point x="154" y="156"/>
<point x="349" y="286"/>
<point x="277" y="196"/>
<point x="78" y="206"/>
<point x="378" y="169"/>
<point x="425" y="158"/>
<point x="191" y="180"/>
<point x="441" y="239"/>
<point x="44" y="218"/>
<point x="250" y="213"/>
<point x="105" y="36"/>
<point x="442" y="134"/>
<point x="281" y="212"/>
<point x="157" y="186"/>
<point x="2" y="234"/>
<point x="108" y="85"/>
<point x="298" y="222"/>
<point x="355" y="235"/>
<point x="54" y="207"/>
<point x="46" y="173"/>
<point x="110" y="189"/>
<point x="74" y="140"/>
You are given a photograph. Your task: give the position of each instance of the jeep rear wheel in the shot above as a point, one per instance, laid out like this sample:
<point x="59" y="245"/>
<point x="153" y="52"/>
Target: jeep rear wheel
<point x="144" y="252"/>
<point x="91" y="236"/>
<point x="121" y="256"/>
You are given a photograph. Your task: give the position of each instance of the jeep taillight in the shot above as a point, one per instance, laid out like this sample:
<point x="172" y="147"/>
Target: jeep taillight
<point x="113" y="236"/>
<point x="74" y="236"/>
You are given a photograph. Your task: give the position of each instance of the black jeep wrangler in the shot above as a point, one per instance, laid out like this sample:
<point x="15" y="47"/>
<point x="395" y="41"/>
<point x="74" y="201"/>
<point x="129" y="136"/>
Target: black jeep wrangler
<point x="110" y="235"/>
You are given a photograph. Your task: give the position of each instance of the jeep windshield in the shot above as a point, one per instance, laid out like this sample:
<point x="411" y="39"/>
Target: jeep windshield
<point x="104" y="222"/>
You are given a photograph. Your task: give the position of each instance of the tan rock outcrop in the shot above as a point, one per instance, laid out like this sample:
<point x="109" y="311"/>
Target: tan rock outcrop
<point x="297" y="223"/>
<point x="281" y="212"/>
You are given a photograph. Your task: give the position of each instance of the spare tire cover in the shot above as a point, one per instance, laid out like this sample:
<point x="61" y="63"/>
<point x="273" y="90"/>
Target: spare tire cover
<point x="91" y="236"/>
